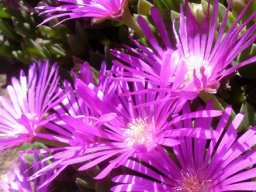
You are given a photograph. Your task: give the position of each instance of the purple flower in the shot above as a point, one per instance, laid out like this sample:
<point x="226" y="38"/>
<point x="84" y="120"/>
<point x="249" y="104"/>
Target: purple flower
<point x="72" y="129"/>
<point x="122" y="129"/>
<point x="198" y="61"/>
<point x="67" y="140"/>
<point x="223" y="163"/>
<point x="28" y="105"/>
<point x="97" y="9"/>
<point x="17" y="179"/>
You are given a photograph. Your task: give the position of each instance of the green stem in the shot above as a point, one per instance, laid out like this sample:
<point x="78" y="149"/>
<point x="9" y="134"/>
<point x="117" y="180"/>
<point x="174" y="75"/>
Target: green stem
<point x="128" y="20"/>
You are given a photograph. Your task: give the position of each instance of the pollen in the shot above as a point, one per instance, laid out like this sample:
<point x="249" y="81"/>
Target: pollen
<point x="138" y="132"/>
<point x="193" y="181"/>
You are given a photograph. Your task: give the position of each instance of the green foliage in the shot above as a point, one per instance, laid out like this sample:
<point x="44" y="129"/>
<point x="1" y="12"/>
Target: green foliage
<point x="23" y="40"/>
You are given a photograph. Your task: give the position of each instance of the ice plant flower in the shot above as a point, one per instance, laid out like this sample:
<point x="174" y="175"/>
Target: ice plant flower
<point x="27" y="108"/>
<point x="123" y="129"/>
<point x="199" y="59"/>
<point x="98" y="10"/>
<point x="117" y="129"/>
<point x="75" y="124"/>
<point x="226" y="162"/>
<point x="17" y="179"/>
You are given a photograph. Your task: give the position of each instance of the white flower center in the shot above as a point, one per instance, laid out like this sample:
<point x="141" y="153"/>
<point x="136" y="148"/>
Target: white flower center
<point x="32" y="116"/>
<point x="138" y="132"/>
<point x="190" y="66"/>
<point x="194" y="63"/>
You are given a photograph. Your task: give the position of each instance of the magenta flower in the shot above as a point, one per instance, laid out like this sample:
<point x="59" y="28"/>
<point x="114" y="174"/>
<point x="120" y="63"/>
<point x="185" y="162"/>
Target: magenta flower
<point x="123" y="130"/>
<point x="97" y="9"/>
<point x="223" y="163"/>
<point x="116" y="128"/>
<point x="74" y="126"/>
<point x="28" y="105"/>
<point x="17" y="179"/>
<point x="198" y="61"/>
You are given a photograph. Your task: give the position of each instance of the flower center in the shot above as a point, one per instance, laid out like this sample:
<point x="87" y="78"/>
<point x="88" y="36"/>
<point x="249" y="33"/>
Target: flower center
<point x="195" y="64"/>
<point x="193" y="181"/>
<point x="138" y="132"/>
<point x="32" y="116"/>
<point x="191" y="66"/>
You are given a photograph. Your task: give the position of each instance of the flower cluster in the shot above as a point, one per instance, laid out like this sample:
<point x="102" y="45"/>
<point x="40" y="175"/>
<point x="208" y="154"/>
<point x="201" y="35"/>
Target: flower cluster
<point x="139" y="123"/>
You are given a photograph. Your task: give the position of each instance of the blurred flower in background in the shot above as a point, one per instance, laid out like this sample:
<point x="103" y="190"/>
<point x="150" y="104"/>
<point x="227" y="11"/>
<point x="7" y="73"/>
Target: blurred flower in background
<point x="98" y="10"/>
<point x="17" y="179"/>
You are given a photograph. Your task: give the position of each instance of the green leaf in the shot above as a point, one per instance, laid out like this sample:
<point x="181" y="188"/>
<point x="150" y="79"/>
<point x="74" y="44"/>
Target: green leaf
<point x="239" y="5"/>
<point x="144" y="7"/>
<point x="47" y="31"/>
<point x="168" y="4"/>
<point x="3" y="12"/>
<point x="221" y="13"/>
<point x="8" y="31"/>
<point x="175" y="15"/>
<point x="21" y="56"/>
<point x="35" y="49"/>
<point x="56" y="50"/>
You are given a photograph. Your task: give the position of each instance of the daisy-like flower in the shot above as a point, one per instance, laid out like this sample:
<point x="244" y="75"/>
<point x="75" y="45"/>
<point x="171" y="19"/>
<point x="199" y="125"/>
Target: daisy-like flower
<point x="223" y="163"/>
<point x="122" y="130"/>
<point x="98" y="10"/>
<point x="17" y="179"/>
<point x="75" y="126"/>
<point x="115" y="127"/>
<point x="27" y="107"/>
<point x="202" y="56"/>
